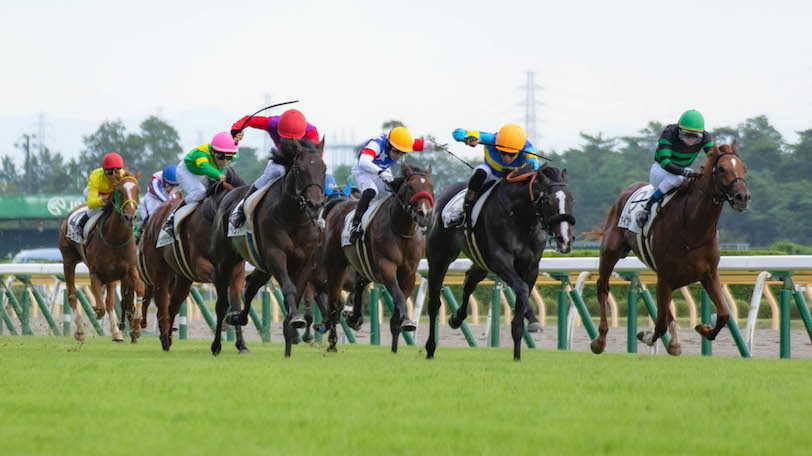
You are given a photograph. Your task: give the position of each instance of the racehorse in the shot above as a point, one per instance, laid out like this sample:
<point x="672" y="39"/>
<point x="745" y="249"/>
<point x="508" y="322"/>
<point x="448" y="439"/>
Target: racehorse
<point x="286" y="234"/>
<point x="687" y="244"/>
<point x="523" y="210"/>
<point x="169" y="271"/>
<point x="393" y="245"/>
<point x="109" y="254"/>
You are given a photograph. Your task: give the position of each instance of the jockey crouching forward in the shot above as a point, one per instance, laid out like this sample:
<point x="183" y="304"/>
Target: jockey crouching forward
<point x="504" y="151"/>
<point x="677" y="149"/>
<point x="372" y="167"/>
<point x="161" y="186"/>
<point x="102" y="182"/>
<point x="291" y="124"/>
<point x="205" y="163"/>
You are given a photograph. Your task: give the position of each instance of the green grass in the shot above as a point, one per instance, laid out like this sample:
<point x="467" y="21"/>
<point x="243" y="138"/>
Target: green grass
<point x="57" y="397"/>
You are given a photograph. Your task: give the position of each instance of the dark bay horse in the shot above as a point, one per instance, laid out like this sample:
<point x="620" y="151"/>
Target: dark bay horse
<point x="511" y="233"/>
<point x="287" y="233"/>
<point x="169" y="271"/>
<point x="685" y="246"/>
<point x="109" y="252"/>
<point x="394" y="243"/>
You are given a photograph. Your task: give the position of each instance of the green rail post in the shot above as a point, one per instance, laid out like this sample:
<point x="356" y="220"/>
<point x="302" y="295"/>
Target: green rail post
<point x="316" y="319"/>
<point x="736" y="333"/>
<point x="707" y="345"/>
<point x="496" y="302"/>
<point x="7" y="319"/>
<point x="563" y="304"/>
<point x="259" y="323"/>
<point x="387" y="298"/>
<point x="347" y="330"/>
<point x="652" y="310"/>
<point x="374" y="320"/>
<point x="631" y="325"/>
<point x="511" y="299"/>
<point x="231" y="333"/>
<point x="183" y="331"/>
<point x="804" y="311"/>
<point x="26" y="306"/>
<point x="582" y="310"/>
<point x="281" y="301"/>
<point x="452" y="303"/>
<point x="266" y="316"/>
<point x="44" y="308"/>
<point x="24" y="328"/>
<point x="784" y="326"/>
<point x="91" y="314"/>
<point x="65" y="313"/>
<point x="203" y="308"/>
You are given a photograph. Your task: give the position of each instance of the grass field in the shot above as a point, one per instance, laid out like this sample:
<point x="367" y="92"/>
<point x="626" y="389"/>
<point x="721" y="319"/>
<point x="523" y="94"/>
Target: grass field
<point x="59" y="397"/>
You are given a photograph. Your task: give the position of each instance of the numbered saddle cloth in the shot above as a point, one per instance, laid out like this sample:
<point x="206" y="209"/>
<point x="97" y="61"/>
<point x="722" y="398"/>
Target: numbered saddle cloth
<point x="164" y="237"/>
<point x="249" y="205"/>
<point x="628" y="220"/>
<point x="453" y="212"/>
<point x="365" y="220"/>
<point x="73" y="232"/>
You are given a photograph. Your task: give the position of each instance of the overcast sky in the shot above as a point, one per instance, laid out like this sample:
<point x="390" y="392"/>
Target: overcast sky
<point x="604" y="66"/>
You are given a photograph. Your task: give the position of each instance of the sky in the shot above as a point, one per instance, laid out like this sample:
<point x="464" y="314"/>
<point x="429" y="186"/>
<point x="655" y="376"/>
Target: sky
<point x="606" y="67"/>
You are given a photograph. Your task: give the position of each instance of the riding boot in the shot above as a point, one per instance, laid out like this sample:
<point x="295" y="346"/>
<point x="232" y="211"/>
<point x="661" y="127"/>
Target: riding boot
<point x="82" y="222"/>
<point x="363" y="205"/>
<point x="169" y="225"/>
<point x="239" y="217"/>
<point x="643" y="216"/>
<point x="141" y="230"/>
<point x="474" y="185"/>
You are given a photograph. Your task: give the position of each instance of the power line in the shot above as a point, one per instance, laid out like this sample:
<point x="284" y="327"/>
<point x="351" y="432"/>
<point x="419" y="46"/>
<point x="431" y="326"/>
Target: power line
<point x="530" y="103"/>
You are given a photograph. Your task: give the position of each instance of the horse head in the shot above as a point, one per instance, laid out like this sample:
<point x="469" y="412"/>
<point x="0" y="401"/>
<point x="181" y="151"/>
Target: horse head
<point x="553" y="206"/>
<point x="303" y="160"/>
<point x="125" y="198"/>
<point x="728" y="176"/>
<point x="415" y="192"/>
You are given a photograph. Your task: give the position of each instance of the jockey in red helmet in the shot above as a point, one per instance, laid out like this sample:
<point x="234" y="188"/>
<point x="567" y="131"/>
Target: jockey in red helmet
<point x="291" y="124"/>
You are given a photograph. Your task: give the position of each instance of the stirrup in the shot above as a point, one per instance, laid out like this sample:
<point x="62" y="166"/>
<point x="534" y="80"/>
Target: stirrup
<point x="238" y="218"/>
<point x="355" y="233"/>
<point x="642" y="218"/>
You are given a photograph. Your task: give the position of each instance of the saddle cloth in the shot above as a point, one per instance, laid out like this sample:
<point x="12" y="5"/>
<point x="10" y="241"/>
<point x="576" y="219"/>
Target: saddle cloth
<point x="365" y="220"/>
<point x="628" y="220"/>
<point x="453" y="211"/>
<point x="73" y="226"/>
<point x="165" y="238"/>
<point x="249" y="205"/>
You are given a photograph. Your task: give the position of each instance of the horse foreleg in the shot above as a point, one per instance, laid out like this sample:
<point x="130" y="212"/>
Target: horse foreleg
<point x="161" y="295"/>
<point x="180" y="291"/>
<point x="110" y="305"/>
<point x="437" y="271"/>
<point x="713" y="285"/>
<point x="664" y="292"/>
<point x="248" y="286"/>
<point x="473" y="276"/>
<point x="356" y="319"/>
<point x="308" y="299"/>
<point x="611" y="252"/>
<point x="96" y="290"/>
<point x="69" y="269"/>
<point x="221" y="284"/>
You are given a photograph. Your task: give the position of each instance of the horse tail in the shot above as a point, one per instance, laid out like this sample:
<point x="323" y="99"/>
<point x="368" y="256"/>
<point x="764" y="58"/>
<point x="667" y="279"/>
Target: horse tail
<point x="599" y="230"/>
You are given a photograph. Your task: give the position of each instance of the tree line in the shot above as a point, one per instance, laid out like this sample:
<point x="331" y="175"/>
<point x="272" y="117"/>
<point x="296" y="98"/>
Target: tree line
<point x="778" y="171"/>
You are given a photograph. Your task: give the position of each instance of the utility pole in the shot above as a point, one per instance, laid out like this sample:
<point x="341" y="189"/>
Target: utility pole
<point x="27" y="171"/>
<point x="530" y="104"/>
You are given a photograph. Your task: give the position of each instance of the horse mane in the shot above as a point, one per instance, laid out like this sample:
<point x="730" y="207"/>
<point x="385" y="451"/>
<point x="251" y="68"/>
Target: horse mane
<point x="110" y="206"/>
<point x="215" y="193"/>
<point x="288" y="149"/>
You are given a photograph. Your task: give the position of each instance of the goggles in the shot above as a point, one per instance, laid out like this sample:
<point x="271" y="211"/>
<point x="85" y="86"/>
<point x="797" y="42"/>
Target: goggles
<point x="689" y="135"/>
<point x="223" y="156"/>
<point x="112" y="171"/>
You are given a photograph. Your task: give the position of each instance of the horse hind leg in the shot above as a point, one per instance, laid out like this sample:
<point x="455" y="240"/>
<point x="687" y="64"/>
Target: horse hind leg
<point x="473" y="276"/>
<point x="69" y="269"/>
<point x="664" y="292"/>
<point x="239" y="282"/>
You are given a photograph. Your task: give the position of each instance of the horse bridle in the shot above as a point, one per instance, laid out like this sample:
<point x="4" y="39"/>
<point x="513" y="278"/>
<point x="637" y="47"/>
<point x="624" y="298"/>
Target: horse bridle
<point x="724" y="189"/>
<point x="295" y="169"/>
<point x="407" y="205"/>
<point x="547" y="223"/>
<point x="120" y="209"/>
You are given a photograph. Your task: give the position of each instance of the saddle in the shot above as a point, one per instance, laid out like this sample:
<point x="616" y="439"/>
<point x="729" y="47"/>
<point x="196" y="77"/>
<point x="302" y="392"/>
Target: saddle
<point x="73" y="233"/>
<point x="248" y="204"/>
<point x="628" y="220"/>
<point x="453" y="212"/>
<point x="360" y="246"/>
<point x="176" y="217"/>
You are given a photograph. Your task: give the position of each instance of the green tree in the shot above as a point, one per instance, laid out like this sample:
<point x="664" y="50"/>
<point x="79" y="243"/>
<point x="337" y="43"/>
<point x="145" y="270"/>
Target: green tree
<point x="161" y="143"/>
<point x="249" y="166"/>
<point x="111" y="136"/>
<point x="10" y="179"/>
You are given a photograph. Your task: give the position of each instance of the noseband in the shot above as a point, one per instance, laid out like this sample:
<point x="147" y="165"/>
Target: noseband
<point x="299" y="197"/>
<point x="407" y="205"/>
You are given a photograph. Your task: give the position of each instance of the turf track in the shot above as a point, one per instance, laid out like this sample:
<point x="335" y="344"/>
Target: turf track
<point x="57" y="397"/>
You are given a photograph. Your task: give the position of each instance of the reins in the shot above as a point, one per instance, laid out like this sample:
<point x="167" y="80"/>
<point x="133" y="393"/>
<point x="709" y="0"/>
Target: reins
<point x="119" y="207"/>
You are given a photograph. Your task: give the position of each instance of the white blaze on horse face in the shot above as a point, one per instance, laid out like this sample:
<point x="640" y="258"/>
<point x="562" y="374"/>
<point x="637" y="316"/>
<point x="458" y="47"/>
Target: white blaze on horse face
<point x="734" y="162"/>
<point x="422" y="180"/>
<point x="564" y="225"/>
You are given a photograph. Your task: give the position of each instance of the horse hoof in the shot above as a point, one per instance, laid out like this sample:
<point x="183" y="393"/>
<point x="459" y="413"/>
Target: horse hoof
<point x="674" y="350"/>
<point x="355" y="324"/>
<point x="452" y="322"/>
<point x="307" y="337"/>
<point x="118" y="337"/>
<point x="236" y="319"/>
<point x="79" y="336"/>
<point x="646" y="337"/>
<point x="99" y="312"/>
<point x="121" y="326"/>
<point x="298" y="322"/>
<point x="295" y="340"/>
<point x="133" y="340"/>
<point x="215" y="349"/>
<point x="244" y="351"/>
<point x="408" y="325"/>
<point x="704" y="330"/>
<point x="597" y="346"/>
<point x="535" y="327"/>
<point x="144" y="323"/>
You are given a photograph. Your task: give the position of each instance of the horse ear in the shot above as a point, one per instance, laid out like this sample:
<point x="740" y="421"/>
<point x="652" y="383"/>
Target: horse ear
<point x="429" y="170"/>
<point x="564" y="175"/>
<point x="735" y="147"/>
<point x="138" y="175"/>
<point x="320" y="146"/>
<point x="406" y="170"/>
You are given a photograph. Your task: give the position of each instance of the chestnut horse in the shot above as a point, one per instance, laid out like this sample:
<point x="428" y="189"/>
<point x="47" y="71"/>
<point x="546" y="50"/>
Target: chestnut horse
<point x="109" y="252"/>
<point x="169" y="280"/>
<point x="526" y="208"/>
<point x="286" y="230"/>
<point x="685" y="243"/>
<point x="394" y="244"/>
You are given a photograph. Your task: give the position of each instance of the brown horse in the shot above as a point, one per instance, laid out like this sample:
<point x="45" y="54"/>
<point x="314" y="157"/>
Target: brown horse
<point x="393" y="244"/>
<point x="169" y="271"/>
<point x="286" y="231"/>
<point x="109" y="252"/>
<point x="685" y="243"/>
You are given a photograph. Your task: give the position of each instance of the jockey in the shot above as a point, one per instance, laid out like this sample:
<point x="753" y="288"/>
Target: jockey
<point x="204" y="163"/>
<point x="372" y="167"/>
<point x="677" y="149"/>
<point x="161" y="186"/>
<point x="504" y="151"/>
<point x="291" y="124"/>
<point x="101" y="182"/>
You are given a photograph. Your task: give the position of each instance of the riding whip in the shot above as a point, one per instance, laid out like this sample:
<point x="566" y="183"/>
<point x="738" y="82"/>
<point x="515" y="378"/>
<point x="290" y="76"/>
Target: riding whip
<point x="444" y="148"/>
<point x="264" y="109"/>
<point x="518" y="151"/>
